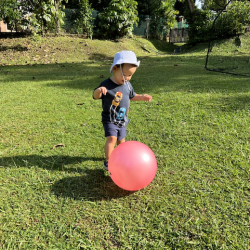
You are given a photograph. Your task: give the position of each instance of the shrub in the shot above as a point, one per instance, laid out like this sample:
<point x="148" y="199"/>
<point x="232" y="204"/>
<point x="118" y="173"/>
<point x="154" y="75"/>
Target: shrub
<point x="162" y="18"/>
<point x="200" y="24"/>
<point x="233" y="21"/>
<point x="117" y="19"/>
<point x="230" y="23"/>
<point x="83" y="22"/>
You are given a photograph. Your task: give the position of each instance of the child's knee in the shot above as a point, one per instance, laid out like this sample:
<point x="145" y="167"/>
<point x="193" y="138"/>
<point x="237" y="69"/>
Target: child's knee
<point x="111" y="139"/>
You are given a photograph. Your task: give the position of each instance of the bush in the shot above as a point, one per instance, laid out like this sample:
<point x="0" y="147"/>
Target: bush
<point x="83" y="22"/>
<point x="233" y="21"/>
<point x="117" y="19"/>
<point x="228" y="24"/>
<point x="162" y="19"/>
<point x="69" y="19"/>
<point x="200" y="23"/>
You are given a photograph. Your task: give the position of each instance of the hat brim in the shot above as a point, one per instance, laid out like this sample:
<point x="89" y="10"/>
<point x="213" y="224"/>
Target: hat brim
<point x="119" y="62"/>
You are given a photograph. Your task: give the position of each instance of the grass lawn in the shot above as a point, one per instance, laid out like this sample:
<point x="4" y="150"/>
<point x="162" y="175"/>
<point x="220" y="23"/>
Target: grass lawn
<point x="198" y="125"/>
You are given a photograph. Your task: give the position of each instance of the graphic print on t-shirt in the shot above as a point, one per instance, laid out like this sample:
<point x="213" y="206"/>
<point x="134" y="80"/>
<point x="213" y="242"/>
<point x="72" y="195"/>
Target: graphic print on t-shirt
<point x="117" y="99"/>
<point x="117" y="115"/>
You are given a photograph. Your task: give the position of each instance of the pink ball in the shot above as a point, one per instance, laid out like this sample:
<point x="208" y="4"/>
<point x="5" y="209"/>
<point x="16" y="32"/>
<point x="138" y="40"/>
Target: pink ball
<point x="132" y="165"/>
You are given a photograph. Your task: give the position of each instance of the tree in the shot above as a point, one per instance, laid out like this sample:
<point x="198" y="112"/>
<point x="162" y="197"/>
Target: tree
<point x="98" y="5"/>
<point x="47" y="12"/>
<point x="162" y="18"/>
<point x="180" y="6"/>
<point x="231" y="22"/>
<point x="234" y="20"/>
<point x="84" y="19"/>
<point x="215" y="5"/>
<point x="10" y="12"/>
<point x="191" y="5"/>
<point x="72" y="4"/>
<point x="118" y="19"/>
<point x="148" y="7"/>
<point x="36" y="15"/>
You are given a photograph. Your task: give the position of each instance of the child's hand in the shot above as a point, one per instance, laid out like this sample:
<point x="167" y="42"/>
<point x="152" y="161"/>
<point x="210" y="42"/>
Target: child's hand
<point x="103" y="90"/>
<point x="147" y="98"/>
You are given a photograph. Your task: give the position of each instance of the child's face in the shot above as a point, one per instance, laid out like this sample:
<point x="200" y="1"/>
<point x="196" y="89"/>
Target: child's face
<point x="126" y="69"/>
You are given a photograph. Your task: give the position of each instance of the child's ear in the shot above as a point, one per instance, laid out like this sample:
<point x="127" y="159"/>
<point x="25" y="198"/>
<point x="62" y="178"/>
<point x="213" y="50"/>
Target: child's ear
<point x="114" y="68"/>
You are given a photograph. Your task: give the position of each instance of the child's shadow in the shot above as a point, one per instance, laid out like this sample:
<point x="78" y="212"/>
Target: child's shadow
<point x="92" y="185"/>
<point x="87" y="184"/>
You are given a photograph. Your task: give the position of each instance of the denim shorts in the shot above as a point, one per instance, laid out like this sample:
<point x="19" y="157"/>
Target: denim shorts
<point x="113" y="130"/>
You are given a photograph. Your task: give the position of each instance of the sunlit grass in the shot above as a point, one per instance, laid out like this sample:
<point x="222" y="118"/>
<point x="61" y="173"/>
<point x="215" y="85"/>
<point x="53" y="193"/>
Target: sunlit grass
<point x="197" y="125"/>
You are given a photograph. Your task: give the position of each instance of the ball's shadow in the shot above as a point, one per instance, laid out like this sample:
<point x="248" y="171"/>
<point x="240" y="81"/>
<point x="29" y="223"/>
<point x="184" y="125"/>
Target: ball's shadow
<point x="92" y="185"/>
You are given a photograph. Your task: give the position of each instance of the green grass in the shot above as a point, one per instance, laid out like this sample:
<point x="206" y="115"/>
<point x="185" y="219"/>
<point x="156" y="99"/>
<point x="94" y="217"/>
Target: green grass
<point x="228" y="56"/>
<point x="197" y="125"/>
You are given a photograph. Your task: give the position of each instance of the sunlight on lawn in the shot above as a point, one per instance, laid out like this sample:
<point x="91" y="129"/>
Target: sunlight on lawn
<point x="61" y="198"/>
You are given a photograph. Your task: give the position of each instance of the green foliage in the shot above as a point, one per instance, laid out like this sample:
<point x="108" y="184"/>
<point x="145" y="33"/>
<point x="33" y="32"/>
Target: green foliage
<point x="118" y="19"/>
<point x="230" y="23"/>
<point x="181" y="6"/>
<point x="214" y="4"/>
<point x="33" y="15"/>
<point x="48" y="14"/>
<point x="236" y="58"/>
<point x="69" y="20"/>
<point x="83" y="22"/>
<point x="33" y="24"/>
<point x="97" y="5"/>
<point x="200" y="24"/>
<point x="234" y="20"/>
<point x="10" y="12"/>
<point x="162" y="18"/>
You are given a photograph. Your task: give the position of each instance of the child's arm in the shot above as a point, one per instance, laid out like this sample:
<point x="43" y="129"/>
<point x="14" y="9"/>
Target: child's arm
<point x="146" y="98"/>
<point x="99" y="91"/>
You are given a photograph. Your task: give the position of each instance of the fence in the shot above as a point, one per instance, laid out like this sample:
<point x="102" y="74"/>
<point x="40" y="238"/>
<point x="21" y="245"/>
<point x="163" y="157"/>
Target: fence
<point x="178" y="35"/>
<point x="141" y="29"/>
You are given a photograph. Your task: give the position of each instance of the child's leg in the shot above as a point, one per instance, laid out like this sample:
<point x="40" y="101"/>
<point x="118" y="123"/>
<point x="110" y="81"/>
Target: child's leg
<point x="114" y="135"/>
<point x="109" y="146"/>
<point x="120" y="141"/>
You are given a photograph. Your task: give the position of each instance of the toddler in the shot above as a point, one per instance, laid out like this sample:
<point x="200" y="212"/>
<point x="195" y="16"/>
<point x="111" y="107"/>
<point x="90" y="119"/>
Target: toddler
<point x="116" y="93"/>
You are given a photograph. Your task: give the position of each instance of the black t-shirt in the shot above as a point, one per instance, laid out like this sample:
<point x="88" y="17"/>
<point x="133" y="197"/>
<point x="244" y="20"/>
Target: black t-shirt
<point x="115" y="103"/>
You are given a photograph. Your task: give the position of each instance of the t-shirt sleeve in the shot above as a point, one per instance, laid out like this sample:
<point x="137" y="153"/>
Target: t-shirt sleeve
<point x="102" y="84"/>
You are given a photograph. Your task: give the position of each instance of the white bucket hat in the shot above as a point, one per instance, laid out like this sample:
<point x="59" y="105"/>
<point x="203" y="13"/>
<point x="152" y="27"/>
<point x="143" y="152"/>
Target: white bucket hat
<point x="125" y="56"/>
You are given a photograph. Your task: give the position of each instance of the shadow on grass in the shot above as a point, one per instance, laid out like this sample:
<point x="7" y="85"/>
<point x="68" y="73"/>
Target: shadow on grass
<point x="92" y="185"/>
<point x="18" y="47"/>
<point x="232" y="103"/>
<point x="53" y="163"/>
<point x="175" y="73"/>
<point x="185" y="47"/>
<point x="163" y="47"/>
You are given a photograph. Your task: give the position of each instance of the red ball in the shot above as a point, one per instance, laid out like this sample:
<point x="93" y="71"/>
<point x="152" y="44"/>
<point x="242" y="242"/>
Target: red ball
<point x="132" y="165"/>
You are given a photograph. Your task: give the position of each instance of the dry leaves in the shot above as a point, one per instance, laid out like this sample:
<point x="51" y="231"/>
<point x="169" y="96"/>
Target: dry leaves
<point x="58" y="145"/>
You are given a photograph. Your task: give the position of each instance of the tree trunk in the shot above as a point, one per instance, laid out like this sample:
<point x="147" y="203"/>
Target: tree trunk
<point x="191" y="8"/>
<point x="57" y="18"/>
<point x="191" y="5"/>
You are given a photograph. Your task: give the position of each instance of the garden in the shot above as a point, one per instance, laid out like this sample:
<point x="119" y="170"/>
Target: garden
<point x="55" y="193"/>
